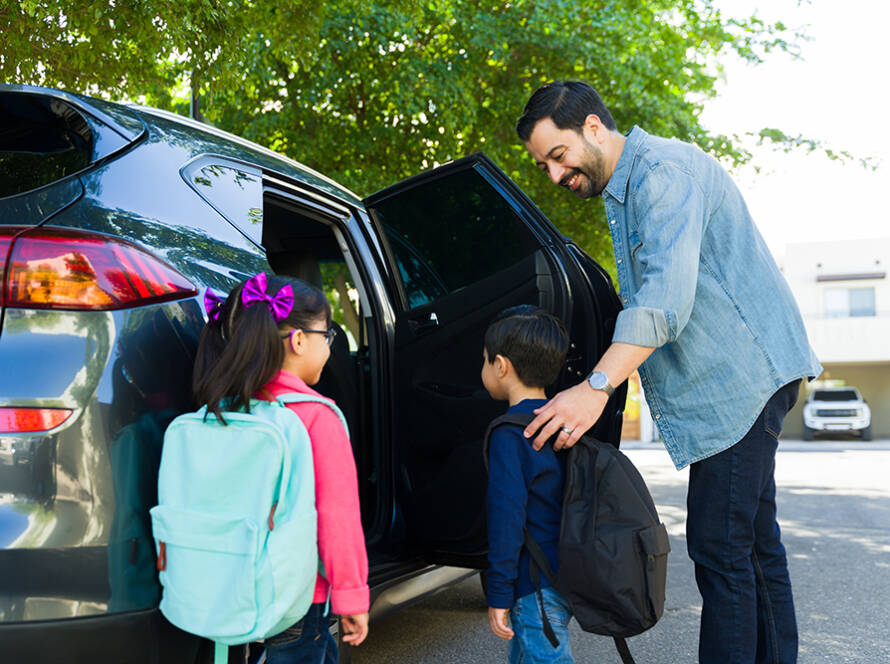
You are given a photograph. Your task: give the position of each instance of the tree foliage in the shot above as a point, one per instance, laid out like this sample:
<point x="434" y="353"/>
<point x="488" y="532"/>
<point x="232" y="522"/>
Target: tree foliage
<point x="372" y="92"/>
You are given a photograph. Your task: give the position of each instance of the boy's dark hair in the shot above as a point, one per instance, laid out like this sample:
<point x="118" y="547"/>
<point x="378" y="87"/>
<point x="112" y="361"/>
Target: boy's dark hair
<point x="567" y="103"/>
<point x="535" y="341"/>
<point x="242" y="349"/>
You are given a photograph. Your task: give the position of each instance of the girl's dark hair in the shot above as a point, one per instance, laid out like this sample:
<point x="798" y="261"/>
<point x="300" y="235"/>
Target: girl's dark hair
<point x="536" y="342"/>
<point x="242" y="349"/>
<point x="567" y="103"/>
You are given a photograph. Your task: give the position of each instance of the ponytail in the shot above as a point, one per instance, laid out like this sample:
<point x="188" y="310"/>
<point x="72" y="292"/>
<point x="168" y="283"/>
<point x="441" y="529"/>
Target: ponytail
<point x="240" y="349"/>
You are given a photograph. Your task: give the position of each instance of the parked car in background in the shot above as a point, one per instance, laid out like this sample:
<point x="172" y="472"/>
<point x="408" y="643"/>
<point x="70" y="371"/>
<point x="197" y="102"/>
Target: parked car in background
<point x="114" y="220"/>
<point x="836" y="409"/>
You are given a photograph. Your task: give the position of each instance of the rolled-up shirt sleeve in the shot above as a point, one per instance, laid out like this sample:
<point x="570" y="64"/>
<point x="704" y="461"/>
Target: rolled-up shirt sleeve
<point x="670" y="206"/>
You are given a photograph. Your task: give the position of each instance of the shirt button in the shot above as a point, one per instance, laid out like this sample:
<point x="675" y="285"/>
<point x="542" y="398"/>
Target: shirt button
<point x="612" y="221"/>
<point x="618" y="261"/>
<point x="657" y="416"/>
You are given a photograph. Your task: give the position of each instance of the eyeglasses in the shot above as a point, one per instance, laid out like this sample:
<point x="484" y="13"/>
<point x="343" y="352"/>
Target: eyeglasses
<point x="329" y="334"/>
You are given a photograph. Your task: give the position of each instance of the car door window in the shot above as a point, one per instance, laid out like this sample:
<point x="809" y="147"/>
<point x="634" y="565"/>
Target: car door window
<point x="450" y="233"/>
<point x="465" y="246"/>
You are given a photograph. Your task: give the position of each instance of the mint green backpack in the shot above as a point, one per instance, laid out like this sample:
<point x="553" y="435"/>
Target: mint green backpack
<point x="235" y="524"/>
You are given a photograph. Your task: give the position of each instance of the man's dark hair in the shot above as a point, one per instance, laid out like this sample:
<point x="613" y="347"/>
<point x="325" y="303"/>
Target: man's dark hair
<point x="535" y="341"/>
<point x="567" y="103"/>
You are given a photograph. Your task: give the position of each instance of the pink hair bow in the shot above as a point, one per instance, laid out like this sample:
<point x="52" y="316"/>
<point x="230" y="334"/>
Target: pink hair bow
<point x="255" y="291"/>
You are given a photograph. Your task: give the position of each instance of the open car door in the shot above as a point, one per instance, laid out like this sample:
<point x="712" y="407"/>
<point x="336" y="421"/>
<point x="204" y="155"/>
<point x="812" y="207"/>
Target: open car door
<point x="465" y="243"/>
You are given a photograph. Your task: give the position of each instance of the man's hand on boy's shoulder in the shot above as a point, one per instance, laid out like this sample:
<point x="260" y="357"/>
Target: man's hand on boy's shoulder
<point x="571" y="413"/>
<point x="497" y="620"/>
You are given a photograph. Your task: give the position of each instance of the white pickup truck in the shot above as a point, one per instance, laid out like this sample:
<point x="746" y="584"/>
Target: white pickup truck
<point x="833" y="409"/>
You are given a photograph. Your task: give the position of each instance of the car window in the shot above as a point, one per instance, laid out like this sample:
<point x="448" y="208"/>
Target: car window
<point x="343" y="296"/>
<point x="451" y="232"/>
<point x="234" y="190"/>
<point x="45" y="139"/>
<point x="835" y="395"/>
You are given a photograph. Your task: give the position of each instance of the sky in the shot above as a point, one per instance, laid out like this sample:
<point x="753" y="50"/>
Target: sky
<point x="837" y="93"/>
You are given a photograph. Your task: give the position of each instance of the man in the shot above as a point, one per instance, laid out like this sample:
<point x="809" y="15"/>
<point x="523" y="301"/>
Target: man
<point x="720" y="346"/>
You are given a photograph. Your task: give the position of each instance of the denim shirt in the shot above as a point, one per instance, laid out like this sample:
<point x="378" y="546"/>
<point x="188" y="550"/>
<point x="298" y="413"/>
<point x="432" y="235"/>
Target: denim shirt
<point x="700" y="286"/>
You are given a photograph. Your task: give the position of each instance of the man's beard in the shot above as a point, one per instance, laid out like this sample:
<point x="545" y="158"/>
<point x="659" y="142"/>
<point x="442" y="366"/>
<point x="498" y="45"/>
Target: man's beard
<point x="593" y="168"/>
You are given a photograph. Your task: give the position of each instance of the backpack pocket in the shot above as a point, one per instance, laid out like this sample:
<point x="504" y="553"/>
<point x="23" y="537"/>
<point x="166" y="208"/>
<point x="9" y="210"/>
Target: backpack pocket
<point x="207" y="570"/>
<point x="655" y="545"/>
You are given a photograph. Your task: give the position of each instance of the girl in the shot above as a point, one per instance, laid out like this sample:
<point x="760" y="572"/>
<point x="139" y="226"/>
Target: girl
<point x="269" y="337"/>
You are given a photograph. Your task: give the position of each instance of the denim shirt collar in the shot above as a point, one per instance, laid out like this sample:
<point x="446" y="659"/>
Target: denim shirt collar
<point x="617" y="185"/>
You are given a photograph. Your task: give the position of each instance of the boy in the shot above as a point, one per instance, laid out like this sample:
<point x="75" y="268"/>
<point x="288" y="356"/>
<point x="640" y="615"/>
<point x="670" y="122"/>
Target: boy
<point x="524" y="350"/>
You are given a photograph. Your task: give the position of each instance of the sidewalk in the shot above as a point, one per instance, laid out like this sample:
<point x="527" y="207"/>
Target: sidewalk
<point x="834" y="511"/>
<point x="790" y="445"/>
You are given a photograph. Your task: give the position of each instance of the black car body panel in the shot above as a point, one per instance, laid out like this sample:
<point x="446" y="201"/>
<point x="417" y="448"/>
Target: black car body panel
<point x="416" y="270"/>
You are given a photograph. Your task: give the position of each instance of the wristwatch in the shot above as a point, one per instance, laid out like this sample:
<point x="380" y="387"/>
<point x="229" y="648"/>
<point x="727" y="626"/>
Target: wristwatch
<point x="600" y="381"/>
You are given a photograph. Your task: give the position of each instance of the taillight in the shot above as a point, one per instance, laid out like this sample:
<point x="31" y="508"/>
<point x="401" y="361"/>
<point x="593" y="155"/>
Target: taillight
<point x="59" y="268"/>
<point x="5" y="239"/>
<point x="25" y="420"/>
<point x="6" y="234"/>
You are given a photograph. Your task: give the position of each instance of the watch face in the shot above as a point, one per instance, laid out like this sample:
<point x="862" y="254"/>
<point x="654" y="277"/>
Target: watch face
<point x="598" y="380"/>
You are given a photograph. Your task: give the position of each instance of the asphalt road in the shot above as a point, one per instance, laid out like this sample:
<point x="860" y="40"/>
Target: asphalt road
<point x="834" y="510"/>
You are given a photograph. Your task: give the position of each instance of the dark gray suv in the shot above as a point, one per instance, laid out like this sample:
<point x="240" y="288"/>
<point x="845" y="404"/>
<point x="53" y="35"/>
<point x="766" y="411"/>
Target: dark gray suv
<point x="113" y="222"/>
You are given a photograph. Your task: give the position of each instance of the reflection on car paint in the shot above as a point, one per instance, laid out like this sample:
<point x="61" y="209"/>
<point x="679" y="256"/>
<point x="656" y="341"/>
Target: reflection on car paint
<point x="76" y="498"/>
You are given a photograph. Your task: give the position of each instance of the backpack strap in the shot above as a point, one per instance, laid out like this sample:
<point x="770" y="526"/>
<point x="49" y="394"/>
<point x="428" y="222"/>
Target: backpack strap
<point x="516" y="419"/>
<point x="623" y="650"/>
<point x="298" y="397"/>
<point x="536" y="565"/>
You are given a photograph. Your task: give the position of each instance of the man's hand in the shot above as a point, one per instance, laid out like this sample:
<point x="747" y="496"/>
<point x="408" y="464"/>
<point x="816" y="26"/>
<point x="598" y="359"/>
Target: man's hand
<point x="355" y="628"/>
<point x="573" y="410"/>
<point x="497" y="620"/>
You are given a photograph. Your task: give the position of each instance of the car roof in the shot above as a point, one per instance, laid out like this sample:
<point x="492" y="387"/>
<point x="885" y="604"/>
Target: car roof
<point x="261" y="156"/>
<point x="238" y="147"/>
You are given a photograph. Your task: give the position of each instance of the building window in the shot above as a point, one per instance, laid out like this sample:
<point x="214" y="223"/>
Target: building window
<point x="849" y="302"/>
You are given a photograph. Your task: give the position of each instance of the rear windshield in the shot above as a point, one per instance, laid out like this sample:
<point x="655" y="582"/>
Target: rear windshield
<point x="835" y="395"/>
<point x="41" y="140"/>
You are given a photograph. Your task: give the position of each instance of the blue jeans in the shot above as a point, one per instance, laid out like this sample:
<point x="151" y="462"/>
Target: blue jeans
<point x="529" y="645"/>
<point x="308" y="641"/>
<point x="733" y="538"/>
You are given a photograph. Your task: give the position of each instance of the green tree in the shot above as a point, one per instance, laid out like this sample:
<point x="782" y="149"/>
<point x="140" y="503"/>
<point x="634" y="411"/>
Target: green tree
<point x="372" y="92"/>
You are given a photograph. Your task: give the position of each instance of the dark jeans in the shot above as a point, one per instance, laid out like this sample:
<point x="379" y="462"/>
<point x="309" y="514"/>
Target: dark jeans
<point x="734" y="540"/>
<point x="308" y="641"/>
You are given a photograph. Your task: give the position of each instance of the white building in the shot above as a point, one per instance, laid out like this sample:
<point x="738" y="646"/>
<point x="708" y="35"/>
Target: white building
<point x="843" y="291"/>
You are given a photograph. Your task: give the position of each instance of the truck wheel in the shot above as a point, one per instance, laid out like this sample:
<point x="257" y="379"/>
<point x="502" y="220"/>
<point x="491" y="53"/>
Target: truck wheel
<point x="807" y="433"/>
<point x="866" y="433"/>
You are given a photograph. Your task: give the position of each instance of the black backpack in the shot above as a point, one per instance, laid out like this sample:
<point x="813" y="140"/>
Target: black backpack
<point x="612" y="547"/>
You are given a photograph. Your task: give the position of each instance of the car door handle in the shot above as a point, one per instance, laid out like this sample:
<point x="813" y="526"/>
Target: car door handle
<point x="425" y="325"/>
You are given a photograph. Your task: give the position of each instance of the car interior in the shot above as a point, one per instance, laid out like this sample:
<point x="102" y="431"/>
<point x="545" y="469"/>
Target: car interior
<point x="305" y="244"/>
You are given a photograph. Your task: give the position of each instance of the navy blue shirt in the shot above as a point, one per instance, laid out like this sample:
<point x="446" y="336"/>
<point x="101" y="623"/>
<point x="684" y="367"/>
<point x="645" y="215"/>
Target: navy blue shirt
<point x="524" y="491"/>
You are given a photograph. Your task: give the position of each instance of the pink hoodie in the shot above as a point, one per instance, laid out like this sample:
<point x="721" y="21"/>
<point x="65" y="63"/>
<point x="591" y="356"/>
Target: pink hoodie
<point x="341" y="541"/>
